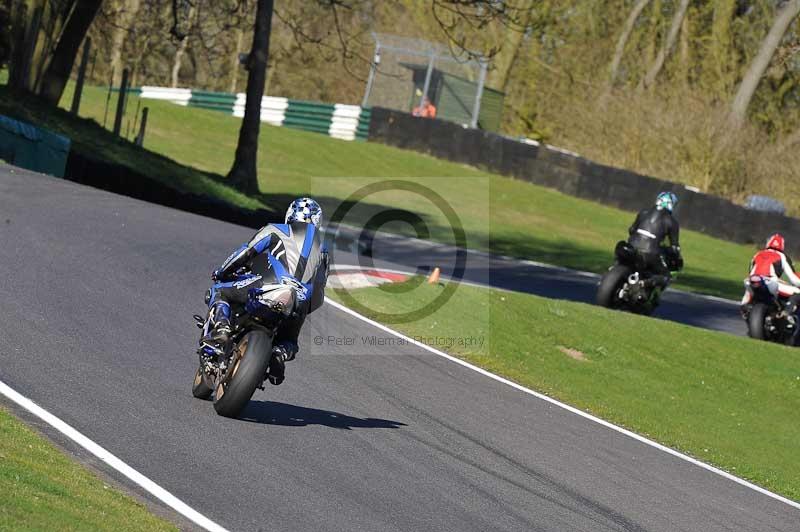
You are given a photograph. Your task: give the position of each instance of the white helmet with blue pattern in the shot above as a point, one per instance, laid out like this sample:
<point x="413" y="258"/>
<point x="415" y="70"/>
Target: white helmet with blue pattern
<point x="304" y="210"/>
<point x="667" y="201"/>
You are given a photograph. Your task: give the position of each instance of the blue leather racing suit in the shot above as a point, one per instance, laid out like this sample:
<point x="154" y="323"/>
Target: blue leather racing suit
<point x="291" y="254"/>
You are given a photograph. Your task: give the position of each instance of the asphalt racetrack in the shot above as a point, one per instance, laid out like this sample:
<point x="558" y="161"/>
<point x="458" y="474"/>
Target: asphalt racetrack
<point x="387" y="251"/>
<point x="99" y="291"/>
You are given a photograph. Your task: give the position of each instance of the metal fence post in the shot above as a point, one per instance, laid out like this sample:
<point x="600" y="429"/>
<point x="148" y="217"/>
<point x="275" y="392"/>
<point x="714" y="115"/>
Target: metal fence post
<point x="108" y="97"/>
<point x="427" y="85"/>
<point x="140" y="136"/>
<point x="476" y="108"/>
<point x="123" y="90"/>
<point x="94" y="64"/>
<point x="76" y="97"/>
<point x="135" y="117"/>
<point x="375" y="62"/>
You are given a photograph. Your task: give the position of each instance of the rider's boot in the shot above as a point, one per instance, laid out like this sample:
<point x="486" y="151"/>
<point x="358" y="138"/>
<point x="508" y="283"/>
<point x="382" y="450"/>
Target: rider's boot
<point x="657" y="281"/>
<point x="281" y="353"/>
<point x="218" y="325"/>
<point x="745" y="309"/>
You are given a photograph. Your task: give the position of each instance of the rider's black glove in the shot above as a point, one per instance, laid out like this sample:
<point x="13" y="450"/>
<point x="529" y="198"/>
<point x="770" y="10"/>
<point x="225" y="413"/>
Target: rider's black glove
<point x="674" y="258"/>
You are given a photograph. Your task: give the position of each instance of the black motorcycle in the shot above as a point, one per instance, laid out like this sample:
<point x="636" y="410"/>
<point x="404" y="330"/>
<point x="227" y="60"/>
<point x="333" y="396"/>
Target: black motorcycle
<point x="769" y="317"/>
<point x="233" y="372"/>
<point x="628" y="285"/>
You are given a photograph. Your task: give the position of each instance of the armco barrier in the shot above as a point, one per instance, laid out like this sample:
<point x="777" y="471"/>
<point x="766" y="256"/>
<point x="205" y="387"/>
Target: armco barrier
<point x="346" y="122"/>
<point x="33" y="148"/>
<point x="576" y="176"/>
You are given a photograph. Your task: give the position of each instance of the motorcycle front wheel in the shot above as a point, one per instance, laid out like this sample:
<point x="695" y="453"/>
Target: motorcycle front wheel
<point x="246" y="372"/>
<point x="200" y="387"/>
<point x="610" y="285"/>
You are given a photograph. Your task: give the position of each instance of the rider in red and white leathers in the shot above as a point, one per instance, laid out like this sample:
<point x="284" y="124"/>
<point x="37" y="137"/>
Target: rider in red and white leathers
<point x="769" y="264"/>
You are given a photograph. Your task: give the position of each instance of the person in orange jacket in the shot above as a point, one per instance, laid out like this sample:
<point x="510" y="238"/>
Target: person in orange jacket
<point x="426" y="110"/>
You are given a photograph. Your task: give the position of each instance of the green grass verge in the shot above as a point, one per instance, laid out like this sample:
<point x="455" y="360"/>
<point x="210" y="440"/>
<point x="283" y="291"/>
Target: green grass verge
<point x="90" y="138"/>
<point x="499" y="214"/>
<point x="732" y="402"/>
<point x="42" y="489"/>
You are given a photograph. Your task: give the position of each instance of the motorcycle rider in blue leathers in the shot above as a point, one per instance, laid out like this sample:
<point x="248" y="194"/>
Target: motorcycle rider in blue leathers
<point x="296" y="255"/>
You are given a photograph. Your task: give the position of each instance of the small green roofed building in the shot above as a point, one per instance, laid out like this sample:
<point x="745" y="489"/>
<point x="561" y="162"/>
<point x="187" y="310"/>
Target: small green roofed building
<point x="454" y="97"/>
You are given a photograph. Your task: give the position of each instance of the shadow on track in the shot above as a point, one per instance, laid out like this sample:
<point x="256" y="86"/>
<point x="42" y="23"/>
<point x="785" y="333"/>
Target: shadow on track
<point x="273" y="413"/>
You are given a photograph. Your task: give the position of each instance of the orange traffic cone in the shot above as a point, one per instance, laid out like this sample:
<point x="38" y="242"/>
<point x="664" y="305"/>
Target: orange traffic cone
<point x="434" y="277"/>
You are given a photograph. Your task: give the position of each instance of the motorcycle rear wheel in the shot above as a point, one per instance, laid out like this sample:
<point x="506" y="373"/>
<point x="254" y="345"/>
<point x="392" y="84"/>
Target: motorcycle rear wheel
<point x="755" y="321"/>
<point x="246" y="372"/>
<point x="610" y="285"/>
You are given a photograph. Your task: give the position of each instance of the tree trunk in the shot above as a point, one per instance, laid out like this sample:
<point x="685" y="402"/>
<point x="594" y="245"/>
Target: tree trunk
<point x="17" y="37"/>
<point x="243" y="174"/>
<point x="513" y="37"/>
<point x="686" y="52"/>
<point x="143" y="48"/>
<point x="758" y="66"/>
<point x="498" y="78"/>
<point x="176" y="63"/>
<point x="672" y="36"/>
<point x="654" y="34"/>
<point x="123" y="24"/>
<point x="627" y="29"/>
<point x="26" y="17"/>
<point x="235" y="59"/>
<point x="54" y="17"/>
<point x="720" y="63"/>
<point x="58" y="71"/>
<point x="271" y="69"/>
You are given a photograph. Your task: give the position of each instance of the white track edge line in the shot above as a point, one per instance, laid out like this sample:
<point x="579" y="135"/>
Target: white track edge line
<point x="567" y="407"/>
<point x="112" y="461"/>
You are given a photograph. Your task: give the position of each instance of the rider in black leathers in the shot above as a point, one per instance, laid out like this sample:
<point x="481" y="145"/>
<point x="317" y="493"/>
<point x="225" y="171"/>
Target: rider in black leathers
<point x="651" y="229"/>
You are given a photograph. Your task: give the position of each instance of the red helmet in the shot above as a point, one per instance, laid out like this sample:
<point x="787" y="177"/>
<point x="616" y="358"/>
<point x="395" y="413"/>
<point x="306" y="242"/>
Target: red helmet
<point x="775" y="242"/>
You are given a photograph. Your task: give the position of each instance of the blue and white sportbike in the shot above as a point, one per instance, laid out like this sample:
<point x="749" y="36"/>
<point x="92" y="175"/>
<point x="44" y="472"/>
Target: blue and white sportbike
<point x="256" y="308"/>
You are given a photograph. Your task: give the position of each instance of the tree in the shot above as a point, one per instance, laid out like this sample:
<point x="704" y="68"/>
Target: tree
<point x="669" y="44"/>
<point x="720" y="62"/>
<point x="46" y="36"/>
<point x="5" y="33"/>
<point x="26" y="23"/>
<point x="123" y="21"/>
<point x="181" y="49"/>
<point x="449" y="14"/>
<point x="758" y="66"/>
<point x="627" y="29"/>
<point x="512" y="39"/>
<point x="243" y="174"/>
<point x="234" y="59"/>
<point x="60" y="66"/>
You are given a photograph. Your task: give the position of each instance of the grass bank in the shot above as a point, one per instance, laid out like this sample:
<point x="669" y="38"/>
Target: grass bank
<point x="190" y="148"/>
<point x="44" y="490"/>
<point x="732" y="402"/>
